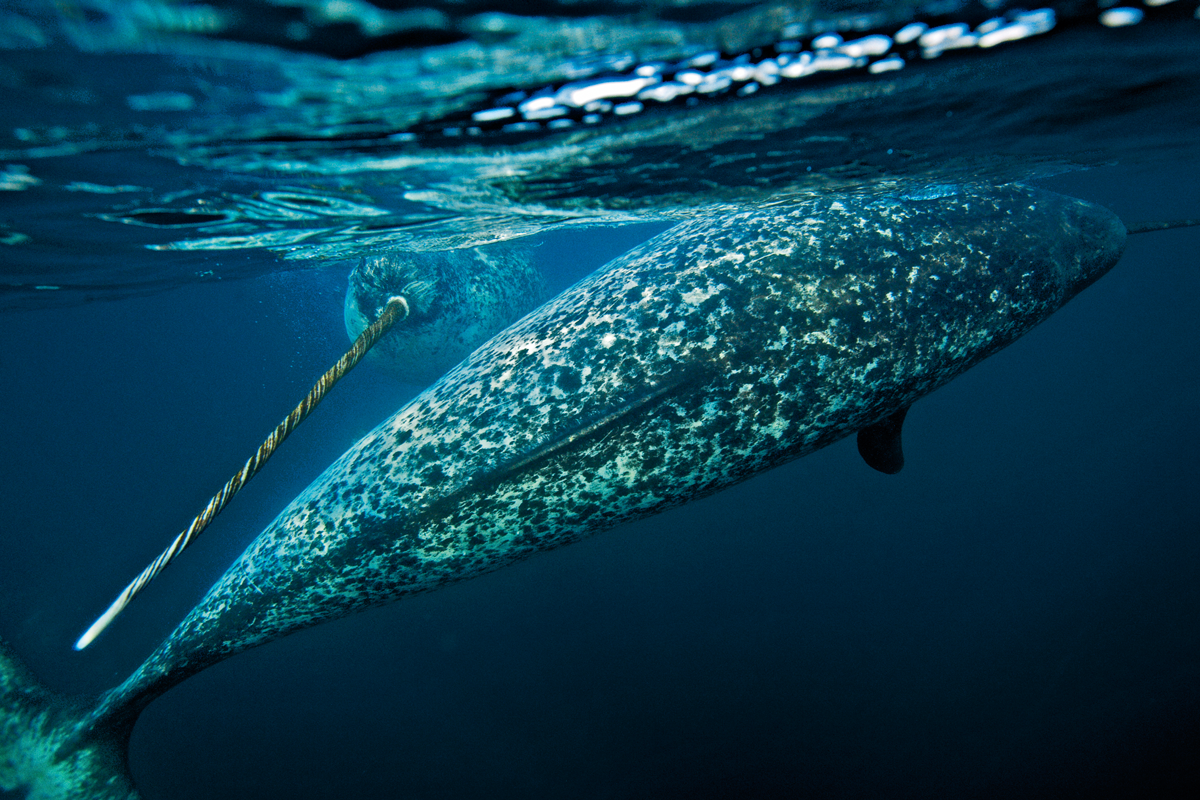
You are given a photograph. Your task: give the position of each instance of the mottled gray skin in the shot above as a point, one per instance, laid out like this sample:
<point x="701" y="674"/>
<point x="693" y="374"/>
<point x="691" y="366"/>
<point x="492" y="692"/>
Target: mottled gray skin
<point x="457" y="300"/>
<point x="715" y="351"/>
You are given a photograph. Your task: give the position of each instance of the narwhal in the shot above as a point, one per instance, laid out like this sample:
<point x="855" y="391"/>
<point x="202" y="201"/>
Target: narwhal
<point x="456" y="299"/>
<point x="719" y="349"/>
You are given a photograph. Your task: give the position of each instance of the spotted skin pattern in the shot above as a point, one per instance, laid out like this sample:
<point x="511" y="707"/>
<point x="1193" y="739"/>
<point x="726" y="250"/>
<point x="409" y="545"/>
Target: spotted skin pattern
<point x="719" y="349"/>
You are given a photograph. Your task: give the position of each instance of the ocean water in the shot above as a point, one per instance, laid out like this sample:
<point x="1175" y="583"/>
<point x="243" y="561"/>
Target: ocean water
<point x="1017" y="613"/>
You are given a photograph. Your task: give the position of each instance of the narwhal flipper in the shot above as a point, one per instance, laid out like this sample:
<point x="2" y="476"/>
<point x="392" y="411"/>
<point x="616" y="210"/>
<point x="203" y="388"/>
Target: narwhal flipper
<point x="879" y="444"/>
<point x="35" y="723"/>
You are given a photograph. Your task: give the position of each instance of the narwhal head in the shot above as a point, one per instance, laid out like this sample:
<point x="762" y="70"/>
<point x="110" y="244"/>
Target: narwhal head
<point x="1013" y="253"/>
<point x="1069" y="244"/>
<point x="1097" y="244"/>
<point x="380" y="277"/>
<point x="457" y="299"/>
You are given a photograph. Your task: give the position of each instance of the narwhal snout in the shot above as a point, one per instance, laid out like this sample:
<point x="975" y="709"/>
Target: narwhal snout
<point x="1098" y="237"/>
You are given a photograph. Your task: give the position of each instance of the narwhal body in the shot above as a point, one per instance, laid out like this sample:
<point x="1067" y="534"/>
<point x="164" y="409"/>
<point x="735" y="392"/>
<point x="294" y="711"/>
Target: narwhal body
<point x="711" y="353"/>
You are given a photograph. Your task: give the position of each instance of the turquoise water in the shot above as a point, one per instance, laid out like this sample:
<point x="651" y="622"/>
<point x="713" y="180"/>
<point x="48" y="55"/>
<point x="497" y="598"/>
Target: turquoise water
<point x="1015" y="613"/>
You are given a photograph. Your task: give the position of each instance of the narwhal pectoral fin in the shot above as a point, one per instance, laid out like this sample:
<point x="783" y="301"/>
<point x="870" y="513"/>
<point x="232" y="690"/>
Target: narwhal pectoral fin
<point x="37" y="756"/>
<point x="879" y="444"/>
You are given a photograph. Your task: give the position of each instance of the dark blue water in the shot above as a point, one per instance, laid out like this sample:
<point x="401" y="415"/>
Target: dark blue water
<point x="1016" y="614"/>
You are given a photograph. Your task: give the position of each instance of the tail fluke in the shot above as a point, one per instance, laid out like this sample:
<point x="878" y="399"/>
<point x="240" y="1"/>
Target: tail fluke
<point x="35" y="724"/>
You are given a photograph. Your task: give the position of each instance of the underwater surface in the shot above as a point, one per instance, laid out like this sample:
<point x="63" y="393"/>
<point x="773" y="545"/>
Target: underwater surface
<point x="186" y="188"/>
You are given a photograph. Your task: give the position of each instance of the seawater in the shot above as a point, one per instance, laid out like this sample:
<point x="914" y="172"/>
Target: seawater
<point x="1016" y="613"/>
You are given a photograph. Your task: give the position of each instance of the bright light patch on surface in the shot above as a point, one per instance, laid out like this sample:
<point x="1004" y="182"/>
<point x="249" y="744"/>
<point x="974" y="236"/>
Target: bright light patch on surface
<point x="1121" y="17"/>
<point x="581" y="93"/>
<point x="875" y="45"/>
<point x="493" y="114"/>
<point x="889" y="64"/>
<point x="910" y="32"/>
